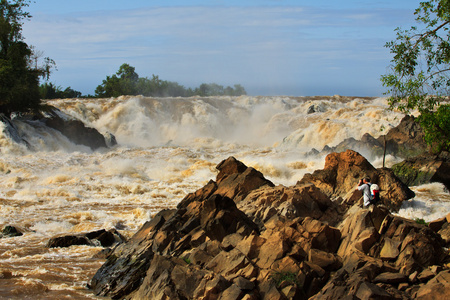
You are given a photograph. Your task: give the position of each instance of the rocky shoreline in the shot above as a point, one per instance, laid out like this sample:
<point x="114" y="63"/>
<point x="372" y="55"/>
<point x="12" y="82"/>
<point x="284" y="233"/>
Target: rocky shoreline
<point x="241" y="237"/>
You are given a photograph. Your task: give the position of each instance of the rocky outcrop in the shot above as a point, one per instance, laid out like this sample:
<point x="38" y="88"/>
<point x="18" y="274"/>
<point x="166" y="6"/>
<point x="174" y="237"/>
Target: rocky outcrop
<point x="367" y="144"/>
<point x="404" y="140"/>
<point x="342" y="172"/>
<point x="425" y="168"/>
<point x="11" y="231"/>
<point x="74" y="129"/>
<point x="104" y="238"/>
<point x="11" y="131"/>
<point x="385" y="257"/>
<point x="241" y="237"/>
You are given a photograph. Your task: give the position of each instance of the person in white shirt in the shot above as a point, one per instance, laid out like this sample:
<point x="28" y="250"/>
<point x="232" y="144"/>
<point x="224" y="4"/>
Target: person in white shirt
<point x="364" y="186"/>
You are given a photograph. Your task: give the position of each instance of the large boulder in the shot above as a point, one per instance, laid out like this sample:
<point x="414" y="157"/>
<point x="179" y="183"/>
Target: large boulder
<point x="74" y="129"/>
<point x="11" y="231"/>
<point x="102" y="237"/>
<point x="424" y="168"/>
<point x="342" y="172"/>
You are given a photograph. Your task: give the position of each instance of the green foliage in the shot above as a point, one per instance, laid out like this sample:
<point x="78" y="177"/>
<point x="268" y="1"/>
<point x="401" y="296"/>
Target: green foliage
<point x="127" y="82"/>
<point x="280" y="277"/>
<point x="50" y="91"/>
<point x="19" y="81"/>
<point x="420" y="221"/>
<point x="420" y="75"/>
<point x="187" y="260"/>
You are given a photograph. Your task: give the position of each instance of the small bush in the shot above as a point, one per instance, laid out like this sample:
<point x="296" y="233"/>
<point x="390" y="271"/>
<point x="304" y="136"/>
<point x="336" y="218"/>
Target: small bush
<point x="420" y="221"/>
<point x="187" y="260"/>
<point x="282" y="276"/>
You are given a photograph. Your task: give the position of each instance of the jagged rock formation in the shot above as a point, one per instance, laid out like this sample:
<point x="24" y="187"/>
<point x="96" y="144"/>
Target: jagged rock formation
<point x="342" y="172"/>
<point x="240" y="237"/>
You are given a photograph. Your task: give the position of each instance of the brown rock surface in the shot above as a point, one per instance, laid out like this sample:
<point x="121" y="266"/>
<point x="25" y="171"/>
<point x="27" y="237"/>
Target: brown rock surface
<point x="341" y="174"/>
<point x="272" y="243"/>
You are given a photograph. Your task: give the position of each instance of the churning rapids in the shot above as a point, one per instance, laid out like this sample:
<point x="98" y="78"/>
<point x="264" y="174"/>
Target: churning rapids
<point x="167" y="147"/>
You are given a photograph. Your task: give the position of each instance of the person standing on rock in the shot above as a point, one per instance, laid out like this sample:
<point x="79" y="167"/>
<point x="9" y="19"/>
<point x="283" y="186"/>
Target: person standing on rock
<point x="364" y="186"/>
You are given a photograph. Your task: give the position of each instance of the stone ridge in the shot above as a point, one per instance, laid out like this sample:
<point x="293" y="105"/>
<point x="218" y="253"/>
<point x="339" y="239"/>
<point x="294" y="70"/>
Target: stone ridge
<point x="241" y="237"/>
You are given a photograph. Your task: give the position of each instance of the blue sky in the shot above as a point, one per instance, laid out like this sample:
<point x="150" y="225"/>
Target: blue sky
<point x="271" y="47"/>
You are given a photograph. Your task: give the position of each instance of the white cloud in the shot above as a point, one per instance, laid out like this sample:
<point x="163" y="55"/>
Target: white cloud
<point x="189" y="44"/>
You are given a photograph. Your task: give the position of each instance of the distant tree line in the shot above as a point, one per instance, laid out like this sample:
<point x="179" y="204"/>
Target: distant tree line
<point x="50" y="91"/>
<point x="22" y="67"/>
<point x="127" y="82"/>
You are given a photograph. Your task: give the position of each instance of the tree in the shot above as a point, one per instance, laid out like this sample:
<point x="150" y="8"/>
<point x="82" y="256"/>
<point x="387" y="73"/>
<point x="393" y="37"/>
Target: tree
<point x="19" y="81"/>
<point x="420" y="71"/>
<point x="122" y="83"/>
<point x="50" y="91"/>
<point x="127" y="82"/>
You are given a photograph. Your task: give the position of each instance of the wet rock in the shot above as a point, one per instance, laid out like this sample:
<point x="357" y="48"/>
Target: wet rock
<point x="424" y="168"/>
<point x="11" y="231"/>
<point x="367" y="144"/>
<point x="101" y="237"/>
<point x="74" y="129"/>
<point x="5" y="274"/>
<point x="342" y="172"/>
<point x="68" y="240"/>
<point x="11" y="131"/>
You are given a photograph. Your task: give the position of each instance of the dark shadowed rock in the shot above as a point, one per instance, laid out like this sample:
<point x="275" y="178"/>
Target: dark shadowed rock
<point x="101" y="237"/>
<point x="74" y="130"/>
<point x="68" y="240"/>
<point x="11" y="131"/>
<point x="11" y="231"/>
<point x="172" y="233"/>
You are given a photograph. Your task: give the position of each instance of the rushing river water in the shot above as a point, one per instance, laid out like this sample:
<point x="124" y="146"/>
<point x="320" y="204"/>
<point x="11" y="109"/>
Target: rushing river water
<point x="167" y="147"/>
